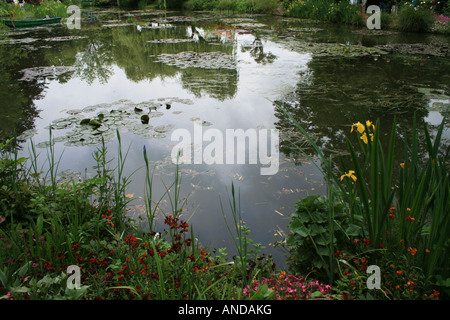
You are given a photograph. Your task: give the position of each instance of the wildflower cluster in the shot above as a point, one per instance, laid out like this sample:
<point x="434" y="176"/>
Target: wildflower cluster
<point x="289" y="287"/>
<point x="364" y="130"/>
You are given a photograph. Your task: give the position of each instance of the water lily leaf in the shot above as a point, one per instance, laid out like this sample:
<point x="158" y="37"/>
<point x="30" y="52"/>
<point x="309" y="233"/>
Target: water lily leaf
<point x="95" y="123"/>
<point x="164" y="128"/>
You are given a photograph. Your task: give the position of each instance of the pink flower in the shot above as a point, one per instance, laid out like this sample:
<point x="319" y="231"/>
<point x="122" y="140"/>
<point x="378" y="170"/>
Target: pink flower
<point x="442" y="18"/>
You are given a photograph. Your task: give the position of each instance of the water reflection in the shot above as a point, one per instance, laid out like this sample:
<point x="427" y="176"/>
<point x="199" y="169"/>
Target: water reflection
<point x="17" y="109"/>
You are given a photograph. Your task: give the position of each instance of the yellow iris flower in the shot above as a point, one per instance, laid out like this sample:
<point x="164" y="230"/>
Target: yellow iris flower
<point x="359" y="126"/>
<point x="364" y="137"/>
<point x="361" y="129"/>
<point x="350" y="174"/>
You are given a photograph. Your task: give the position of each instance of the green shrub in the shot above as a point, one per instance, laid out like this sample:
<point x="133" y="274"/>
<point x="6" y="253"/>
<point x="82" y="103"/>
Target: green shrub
<point x="127" y="3"/>
<point x="169" y="4"/>
<point x="443" y="7"/>
<point x="266" y="6"/>
<point x="226" y="5"/>
<point x="198" y="5"/>
<point x="51" y="9"/>
<point x="386" y="20"/>
<point x="317" y="233"/>
<point x="415" y="20"/>
<point x="244" y="6"/>
<point x="326" y="10"/>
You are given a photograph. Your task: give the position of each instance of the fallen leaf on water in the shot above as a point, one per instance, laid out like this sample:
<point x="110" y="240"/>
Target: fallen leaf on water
<point x="279" y="213"/>
<point x="130" y="195"/>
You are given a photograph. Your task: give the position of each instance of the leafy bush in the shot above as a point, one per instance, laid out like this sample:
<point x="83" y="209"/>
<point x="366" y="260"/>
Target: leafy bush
<point x="169" y="4"/>
<point x="50" y="8"/>
<point x="443" y="7"/>
<point x="316" y="234"/>
<point x="327" y="10"/>
<point x="226" y="5"/>
<point x="198" y="5"/>
<point x="415" y="19"/>
<point x="266" y="6"/>
<point x="386" y="20"/>
<point x="127" y="3"/>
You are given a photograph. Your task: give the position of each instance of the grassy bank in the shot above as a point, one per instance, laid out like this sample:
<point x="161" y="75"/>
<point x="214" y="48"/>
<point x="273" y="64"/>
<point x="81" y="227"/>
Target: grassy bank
<point x="50" y="227"/>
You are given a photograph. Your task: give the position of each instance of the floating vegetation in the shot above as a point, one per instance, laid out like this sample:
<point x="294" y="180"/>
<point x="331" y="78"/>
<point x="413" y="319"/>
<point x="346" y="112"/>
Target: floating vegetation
<point x="335" y="49"/>
<point x="157" y="25"/>
<point x="432" y="93"/>
<point x="51" y="72"/>
<point x="66" y="38"/>
<point x="432" y="49"/>
<point x="92" y="123"/>
<point x="203" y="123"/>
<point x="250" y="25"/>
<point x="27" y="134"/>
<point x="312" y="29"/>
<point x="18" y="41"/>
<point x="164" y="128"/>
<point x="205" y="60"/>
<point x="180" y="19"/>
<point x="113" y="25"/>
<point x="375" y="32"/>
<point x="170" y="41"/>
<point x="238" y="20"/>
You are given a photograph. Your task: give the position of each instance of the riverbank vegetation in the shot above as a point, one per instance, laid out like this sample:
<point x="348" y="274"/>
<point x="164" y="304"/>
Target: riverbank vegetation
<point x="49" y="225"/>
<point x="416" y="16"/>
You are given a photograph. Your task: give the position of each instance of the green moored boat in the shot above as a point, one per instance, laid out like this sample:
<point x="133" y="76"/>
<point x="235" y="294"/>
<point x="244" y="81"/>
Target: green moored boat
<point x="31" y="22"/>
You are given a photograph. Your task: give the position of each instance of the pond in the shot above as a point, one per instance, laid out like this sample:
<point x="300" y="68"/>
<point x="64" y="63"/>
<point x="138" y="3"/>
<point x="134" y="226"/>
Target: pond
<point x="147" y="75"/>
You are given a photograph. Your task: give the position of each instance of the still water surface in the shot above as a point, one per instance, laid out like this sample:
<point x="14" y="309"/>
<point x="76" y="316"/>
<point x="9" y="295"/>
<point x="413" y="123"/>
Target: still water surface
<point x="327" y="76"/>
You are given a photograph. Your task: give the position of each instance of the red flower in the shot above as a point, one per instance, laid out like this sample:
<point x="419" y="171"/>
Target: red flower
<point x="131" y="240"/>
<point x="366" y="242"/>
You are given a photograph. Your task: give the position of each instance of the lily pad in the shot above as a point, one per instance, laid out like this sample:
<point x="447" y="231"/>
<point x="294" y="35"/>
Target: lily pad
<point x="27" y="134"/>
<point x="51" y="72"/>
<point x="171" y="41"/>
<point x="155" y="114"/>
<point x="204" y="60"/>
<point x="156" y="135"/>
<point x="66" y="38"/>
<point x="432" y="48"/>
<point x="335" y="49"/>
<point x="432" y="93"/>
<point x="18" y="41"/>
<point x="164" y="128"/>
